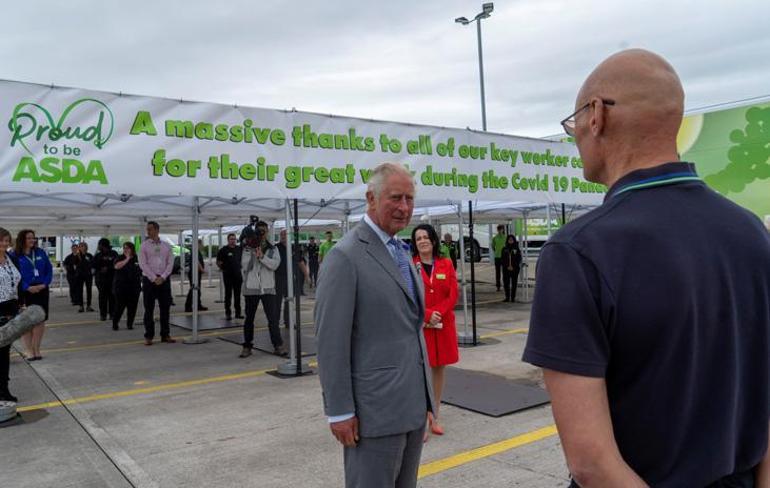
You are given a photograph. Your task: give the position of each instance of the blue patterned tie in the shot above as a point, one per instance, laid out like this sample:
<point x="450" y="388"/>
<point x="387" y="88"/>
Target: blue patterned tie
<point x="403" y="264"/>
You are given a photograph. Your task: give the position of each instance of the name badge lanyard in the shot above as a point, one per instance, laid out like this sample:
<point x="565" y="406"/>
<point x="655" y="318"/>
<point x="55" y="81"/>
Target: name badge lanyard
<point x="34" y="263"/>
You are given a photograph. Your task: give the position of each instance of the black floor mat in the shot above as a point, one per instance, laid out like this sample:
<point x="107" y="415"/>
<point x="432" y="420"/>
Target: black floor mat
<point x="262" y="342"/>
<point x="489" y="394"/>
<point x="205" y="322"/>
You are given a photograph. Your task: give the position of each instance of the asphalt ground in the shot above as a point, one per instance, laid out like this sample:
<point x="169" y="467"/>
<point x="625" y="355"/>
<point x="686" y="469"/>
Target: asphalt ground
<point x="103" y="410"/>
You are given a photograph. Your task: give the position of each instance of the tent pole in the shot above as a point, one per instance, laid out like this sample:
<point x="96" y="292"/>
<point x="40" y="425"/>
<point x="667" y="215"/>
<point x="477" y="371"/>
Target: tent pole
<point x="473" y="270"/>
<point x="463" y="337"/>
<point x="526" y="256"/>
<point x="181" y="264"/>
<point x="210" y="285"/>
<point x="548" y="219"/>
<point x="295" y="366"/>
<point x="221" y="276"/>
<point x="195" y="339"/>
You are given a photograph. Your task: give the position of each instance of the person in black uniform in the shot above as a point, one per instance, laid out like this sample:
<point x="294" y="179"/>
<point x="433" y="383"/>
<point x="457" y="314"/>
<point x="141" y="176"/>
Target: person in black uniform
<point x="201" y="269"/>
<point x="71" y="269"/>
<point x="104" y="273"/>
<point x="126" y="286"/>
<point x="85" y="277"/>
<point x="511" y="261"/>
<point x="229" y="261"/>
<point x="312" y="257"/>
<point x="651" y="313"/>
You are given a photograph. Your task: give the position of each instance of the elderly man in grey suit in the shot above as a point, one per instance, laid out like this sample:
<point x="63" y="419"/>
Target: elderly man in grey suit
<point x="371" y="352"/>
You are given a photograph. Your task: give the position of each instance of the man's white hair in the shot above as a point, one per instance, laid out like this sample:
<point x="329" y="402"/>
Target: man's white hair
<point x="381" y="173"/>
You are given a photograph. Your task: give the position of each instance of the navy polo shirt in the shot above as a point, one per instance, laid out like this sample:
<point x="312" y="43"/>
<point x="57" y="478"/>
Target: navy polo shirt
<point x="664" y="291"/>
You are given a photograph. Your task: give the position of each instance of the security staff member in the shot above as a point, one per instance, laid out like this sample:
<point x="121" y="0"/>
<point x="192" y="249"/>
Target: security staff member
<point x="201" y="268"/>
<point x="71" y="268"/>
<point x="85" y="277"/>
<point x="312" y="258"/>
<point x="229" y="262"/>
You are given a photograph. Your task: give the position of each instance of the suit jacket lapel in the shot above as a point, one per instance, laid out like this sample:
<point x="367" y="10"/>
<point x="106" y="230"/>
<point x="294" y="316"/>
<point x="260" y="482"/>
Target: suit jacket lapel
<point x="380" y="253"/>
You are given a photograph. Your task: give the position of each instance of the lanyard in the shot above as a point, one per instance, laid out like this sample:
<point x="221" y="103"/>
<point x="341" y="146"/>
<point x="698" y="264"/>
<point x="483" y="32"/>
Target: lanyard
<point x="669" y="179"/>
<point x="33" y="261"/>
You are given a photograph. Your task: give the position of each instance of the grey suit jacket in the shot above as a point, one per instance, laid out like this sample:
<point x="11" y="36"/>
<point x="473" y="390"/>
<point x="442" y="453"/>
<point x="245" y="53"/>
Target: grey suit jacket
<point x="371" y="350"/>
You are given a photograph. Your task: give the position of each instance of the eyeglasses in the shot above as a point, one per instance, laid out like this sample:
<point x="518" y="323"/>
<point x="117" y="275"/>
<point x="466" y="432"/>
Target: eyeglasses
<point x="569" y="123"/>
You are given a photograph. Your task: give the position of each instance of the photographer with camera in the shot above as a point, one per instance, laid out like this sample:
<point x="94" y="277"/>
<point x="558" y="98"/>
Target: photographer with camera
<point x="259" y="261"/>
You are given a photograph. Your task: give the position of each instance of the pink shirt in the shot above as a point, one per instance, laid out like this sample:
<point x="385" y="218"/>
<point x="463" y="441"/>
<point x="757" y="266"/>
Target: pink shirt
<point x="156" y="259"/>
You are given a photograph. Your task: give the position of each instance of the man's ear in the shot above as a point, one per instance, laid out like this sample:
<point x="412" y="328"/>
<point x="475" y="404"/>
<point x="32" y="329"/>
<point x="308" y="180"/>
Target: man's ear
<point x="597" y="120"/>
<point x="370" y="199"/>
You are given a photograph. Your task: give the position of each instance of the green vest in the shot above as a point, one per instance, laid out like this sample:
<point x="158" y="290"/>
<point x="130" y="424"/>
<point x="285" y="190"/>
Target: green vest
<point x="498" y="243"/>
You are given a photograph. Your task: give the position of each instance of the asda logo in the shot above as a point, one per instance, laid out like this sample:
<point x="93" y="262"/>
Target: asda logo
<point x="59" y="141"/>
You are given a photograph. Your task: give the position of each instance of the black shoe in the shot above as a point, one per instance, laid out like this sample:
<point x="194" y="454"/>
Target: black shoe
<point x="239" y="316"/>
<point x="202" y="308"/>
<point x="114" y="327"/>
<point x="89" y="309"/>
<point x="81" y="310"/>
<point x="103" y="318"/>
<point x="130" y="327"/>
<point x="245" y="352"/>
<point x="228" y="317"/>
<point x="6" y="396"/>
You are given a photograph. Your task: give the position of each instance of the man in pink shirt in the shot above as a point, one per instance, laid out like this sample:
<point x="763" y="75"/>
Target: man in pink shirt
<point x="157" y="262"/>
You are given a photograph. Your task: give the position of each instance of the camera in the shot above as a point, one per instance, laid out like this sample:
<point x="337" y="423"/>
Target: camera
<point x="253" y="235"/>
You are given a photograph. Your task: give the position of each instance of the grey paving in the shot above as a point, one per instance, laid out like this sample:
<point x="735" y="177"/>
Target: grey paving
<point x="229" y="431"/>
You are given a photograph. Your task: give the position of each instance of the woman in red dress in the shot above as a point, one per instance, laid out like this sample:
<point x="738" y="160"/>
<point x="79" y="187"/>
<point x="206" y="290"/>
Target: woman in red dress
<point x="440" y="283"/>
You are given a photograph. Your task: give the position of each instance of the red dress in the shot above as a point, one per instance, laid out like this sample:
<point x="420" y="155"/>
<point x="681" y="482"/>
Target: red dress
<point x="440" y="296"/>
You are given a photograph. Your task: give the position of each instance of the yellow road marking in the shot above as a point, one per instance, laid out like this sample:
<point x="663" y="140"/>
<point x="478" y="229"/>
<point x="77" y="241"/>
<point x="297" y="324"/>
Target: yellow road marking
<point x="440" y="465"/>
<point x="153" y="389"/>
<point x="505" y="332"/>
<point x="146" y="390"/>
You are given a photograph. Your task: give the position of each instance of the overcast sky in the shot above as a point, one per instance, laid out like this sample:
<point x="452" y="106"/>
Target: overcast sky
<point x="398" y="60"/>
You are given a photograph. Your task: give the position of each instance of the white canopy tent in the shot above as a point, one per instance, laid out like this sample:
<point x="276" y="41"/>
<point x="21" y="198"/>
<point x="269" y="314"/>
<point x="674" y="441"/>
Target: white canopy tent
<point x="86" y="162"/>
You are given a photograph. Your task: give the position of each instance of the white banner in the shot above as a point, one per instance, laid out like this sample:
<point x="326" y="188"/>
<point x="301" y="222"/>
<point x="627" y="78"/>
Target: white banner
<point x="71" y="140"/>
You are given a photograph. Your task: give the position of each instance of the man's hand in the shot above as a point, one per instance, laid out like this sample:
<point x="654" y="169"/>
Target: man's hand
<point x="258" y="253"/>
<point x="435" y="318"/>
<point x="159" y="280"/>
<point x="346" y="431"/>
<point x="35" y="288"/>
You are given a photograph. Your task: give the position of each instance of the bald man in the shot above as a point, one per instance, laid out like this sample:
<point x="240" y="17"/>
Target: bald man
<point x="657" y="352"/>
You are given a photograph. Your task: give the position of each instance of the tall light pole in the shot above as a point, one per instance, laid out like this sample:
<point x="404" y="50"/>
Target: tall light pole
<point x="486" y="11"/>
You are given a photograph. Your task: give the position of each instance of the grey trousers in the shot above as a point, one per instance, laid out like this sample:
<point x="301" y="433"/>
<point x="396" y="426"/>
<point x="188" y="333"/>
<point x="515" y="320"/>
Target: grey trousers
<point x="384" y="462"/>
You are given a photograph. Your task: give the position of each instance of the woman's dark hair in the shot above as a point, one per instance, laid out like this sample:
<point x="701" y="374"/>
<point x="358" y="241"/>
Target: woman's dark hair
<point x="515" y="242"/>
<point x="104" y="244"/>
<point x="431" y="235"/>
<point x="21" y="237"/>
<point x="4" y="233"/>
<point x="131" y="246"/>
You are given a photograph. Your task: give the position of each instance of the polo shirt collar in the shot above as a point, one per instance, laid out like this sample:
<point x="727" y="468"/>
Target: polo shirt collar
<point x="664" y="174"/>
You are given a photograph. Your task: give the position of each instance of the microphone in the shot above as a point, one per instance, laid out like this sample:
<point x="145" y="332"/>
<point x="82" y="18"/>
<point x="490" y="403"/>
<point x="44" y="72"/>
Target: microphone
<point x="21" y="324"/>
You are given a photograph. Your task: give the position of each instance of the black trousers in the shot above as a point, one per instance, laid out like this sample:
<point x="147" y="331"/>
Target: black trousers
<point x="188" y="301"/>
<point x="510" y="281"/>
<point x="161" y="294"/>
<point x="232" y="294"/>
<point x="127" y="301"/>
<point x="81" y="282"/>
<point x="498" y="271"/>
<point x="270" y="305"/>
<point x="106" y="299"/>
<point x="7" y="309"/>
<point x="72" y="282"/>
<point x="314" y="272"/>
